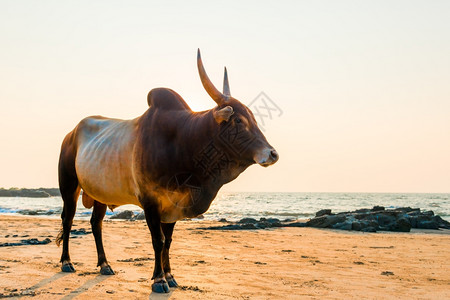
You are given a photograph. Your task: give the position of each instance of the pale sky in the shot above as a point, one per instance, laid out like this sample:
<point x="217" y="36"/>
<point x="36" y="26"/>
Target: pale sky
<point x="364" y="86"/>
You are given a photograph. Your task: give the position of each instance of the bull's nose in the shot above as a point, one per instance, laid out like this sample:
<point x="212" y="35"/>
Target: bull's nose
<point x="266" y="157"/>
<point x="274" y="155"/>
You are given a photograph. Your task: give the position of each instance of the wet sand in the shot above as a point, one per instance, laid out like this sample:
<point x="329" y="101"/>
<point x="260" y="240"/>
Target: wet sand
<point x="279" y="263"/>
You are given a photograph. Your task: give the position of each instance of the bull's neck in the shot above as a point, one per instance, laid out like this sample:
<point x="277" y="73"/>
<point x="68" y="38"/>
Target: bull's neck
<point x="210" y="160"/>
<point x="209" y="165"/>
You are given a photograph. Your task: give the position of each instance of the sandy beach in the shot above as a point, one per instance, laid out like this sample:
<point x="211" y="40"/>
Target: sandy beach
<point x="280" y="263"/>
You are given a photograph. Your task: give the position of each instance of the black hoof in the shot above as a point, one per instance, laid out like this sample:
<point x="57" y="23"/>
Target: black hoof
<point x="160" y="287"/>
<point x="172" y="283"/>
<point x="106" y="270"/>
<point x="68" y="267"/>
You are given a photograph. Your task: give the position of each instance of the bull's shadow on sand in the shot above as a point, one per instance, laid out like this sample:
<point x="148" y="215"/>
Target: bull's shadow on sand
<point x="84" y="287"/>
<point x="31" y="291"/>
<point x="72" y="294"/>
<point x="46" y="281"/>
<point x="154" y="295"/>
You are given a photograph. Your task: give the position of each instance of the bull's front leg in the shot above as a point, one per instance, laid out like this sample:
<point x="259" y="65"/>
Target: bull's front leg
<point x="154" y="224"/>
<point x="168" y="230"/>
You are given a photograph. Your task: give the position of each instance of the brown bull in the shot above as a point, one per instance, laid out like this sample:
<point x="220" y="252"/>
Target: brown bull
<point x="170" y="161"/>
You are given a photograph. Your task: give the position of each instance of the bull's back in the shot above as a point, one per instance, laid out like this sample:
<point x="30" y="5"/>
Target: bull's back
<point x="104" y="159"/>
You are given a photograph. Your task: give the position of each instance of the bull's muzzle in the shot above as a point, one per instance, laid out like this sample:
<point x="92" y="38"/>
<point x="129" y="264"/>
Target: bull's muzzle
<point x="266" y="157"/>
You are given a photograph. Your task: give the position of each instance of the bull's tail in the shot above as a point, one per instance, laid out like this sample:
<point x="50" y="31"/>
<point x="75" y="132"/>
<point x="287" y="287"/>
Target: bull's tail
<point x="59" y="237"/>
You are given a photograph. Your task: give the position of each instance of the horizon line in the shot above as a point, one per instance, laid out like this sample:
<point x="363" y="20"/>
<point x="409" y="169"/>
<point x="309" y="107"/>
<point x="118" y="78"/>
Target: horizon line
<point x="279" y="192"/>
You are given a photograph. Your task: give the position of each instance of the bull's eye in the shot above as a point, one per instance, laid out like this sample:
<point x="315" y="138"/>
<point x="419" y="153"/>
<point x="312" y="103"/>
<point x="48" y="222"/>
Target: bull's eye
<point x="238" y="120"/>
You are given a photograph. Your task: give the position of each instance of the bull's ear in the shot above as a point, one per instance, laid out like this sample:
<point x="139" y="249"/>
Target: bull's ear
<point x="223" y="114"/>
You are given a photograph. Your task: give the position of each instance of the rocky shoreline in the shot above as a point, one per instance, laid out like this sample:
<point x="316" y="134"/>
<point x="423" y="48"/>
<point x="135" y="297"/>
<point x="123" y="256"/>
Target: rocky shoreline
<point x="375" y="219"/>
<point x="74" y="233"/>
<point x="366" y="220"/>
<point x="378" y="218"/>
<point x="30" y="193"/>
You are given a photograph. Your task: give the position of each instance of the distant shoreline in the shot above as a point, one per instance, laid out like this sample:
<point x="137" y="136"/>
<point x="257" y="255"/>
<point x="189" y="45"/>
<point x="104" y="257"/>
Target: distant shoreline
<point x="31" y="193"/>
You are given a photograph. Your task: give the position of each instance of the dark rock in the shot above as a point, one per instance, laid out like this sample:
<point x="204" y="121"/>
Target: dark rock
<point x="80" y="231"/>
<point x="366" y="226"/>
<point x="135" y="259"/>
<point x="387" y="273"/>
<point x="369" y="229"/>
<point x="27" y="212"/>
<point x="356" y="226"/>
<point x="249" y="226"/>
<point x="32" y="241"/>
<point x="35" y="241"/>
<point x="428" y="221"/>
<point x="248" y="220"/>
<point x="123" y="215"/>
<point x="17" y="294"/>
<point x="226" y="227"/>
<point x="384" y="219"/>
<point x="139" y="216"/>
<point x="190" y="288"/>
<point x="270" y="220"/>
<point x="421" y="218"/>
<point x="223" y="220"/>
<point x="413" y="221"/>
<point x="231" y="227"/>
<point x="407" y="209"/>
<point x="323" y="212"/>
<point x="346" y="225"/>
<point x="260" y="225"/>
<point x="442" y="223"/>
<point x="427" y="225"/>
<point x="326" y="221"/>
<point x="37" y="212"/>
<point x="246" y="226"/>
<point x="361" y="216"/>
<point x="378" y="208"/>
<point x="414" y="212"/>
<point x="392" y="213"/>
<point x="295" y="224"/>
<point x="402" y="225"/>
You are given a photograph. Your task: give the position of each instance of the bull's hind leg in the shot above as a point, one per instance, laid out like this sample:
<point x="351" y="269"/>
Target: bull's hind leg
<point x="167" y="229"/>
<point x="70" y="191"/>
<point x="96" y="222"/>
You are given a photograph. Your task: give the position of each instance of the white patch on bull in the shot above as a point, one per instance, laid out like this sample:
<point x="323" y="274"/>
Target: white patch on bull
<point x="103" y="162"/>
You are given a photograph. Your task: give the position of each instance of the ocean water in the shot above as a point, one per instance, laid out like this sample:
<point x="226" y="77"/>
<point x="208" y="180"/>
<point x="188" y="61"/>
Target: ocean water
<point x="234" y="206"/>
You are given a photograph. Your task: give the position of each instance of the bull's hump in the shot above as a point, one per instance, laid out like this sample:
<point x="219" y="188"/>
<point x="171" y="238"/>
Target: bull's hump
<point x="167" y="99"/>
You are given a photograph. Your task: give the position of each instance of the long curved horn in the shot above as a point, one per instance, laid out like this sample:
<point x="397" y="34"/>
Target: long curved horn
<point x="226" y="85"/>
<point x="217" y="96"/>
